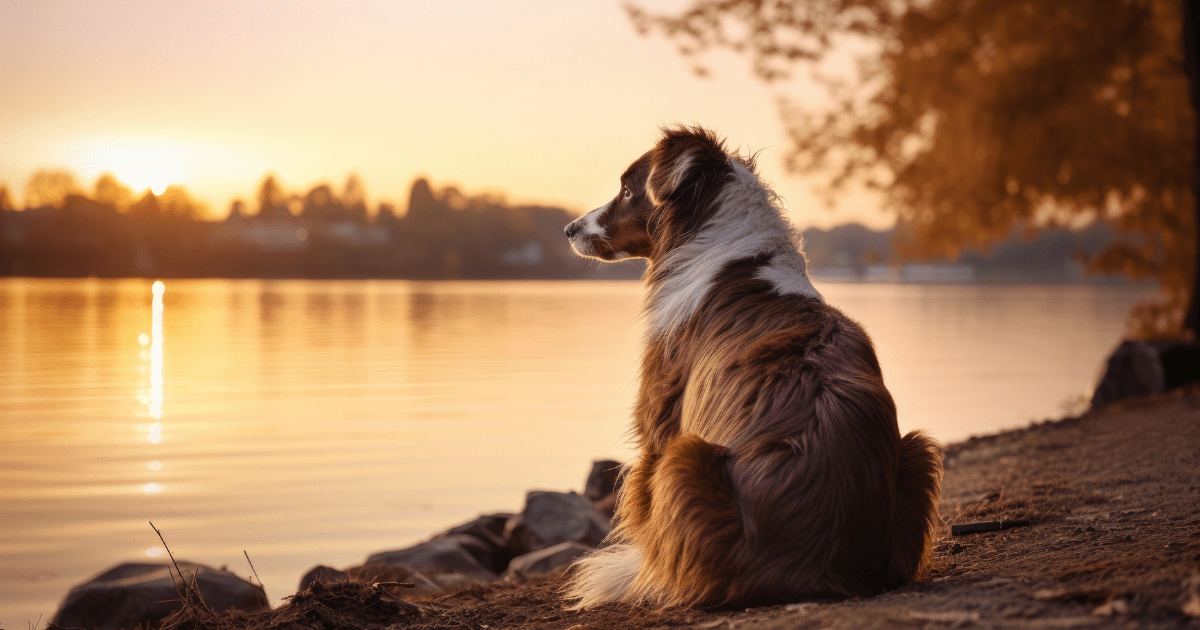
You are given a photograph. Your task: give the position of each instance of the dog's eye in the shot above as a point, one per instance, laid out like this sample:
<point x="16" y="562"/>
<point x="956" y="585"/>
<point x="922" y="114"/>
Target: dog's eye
<point x="626" y="193"/>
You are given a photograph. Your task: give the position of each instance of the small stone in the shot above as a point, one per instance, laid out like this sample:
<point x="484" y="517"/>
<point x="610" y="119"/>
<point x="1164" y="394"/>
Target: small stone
<point x="545" y="561"/>
<point x="448" y="555"/>
<point x="1191" y="607"/>
<point x="135" y="594"/>
<point x="550" y="518"/>
<point x="602" y="480"/>
<point x="1113" y="607"/>
<point x="321" y="573"/>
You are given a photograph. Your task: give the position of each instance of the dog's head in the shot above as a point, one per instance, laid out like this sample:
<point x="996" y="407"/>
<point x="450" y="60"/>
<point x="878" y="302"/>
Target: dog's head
<point x="666" y="196"/>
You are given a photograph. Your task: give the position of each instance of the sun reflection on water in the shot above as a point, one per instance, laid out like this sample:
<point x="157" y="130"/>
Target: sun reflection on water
<point x="156" y="360"/>
<point x="154" y="402"/>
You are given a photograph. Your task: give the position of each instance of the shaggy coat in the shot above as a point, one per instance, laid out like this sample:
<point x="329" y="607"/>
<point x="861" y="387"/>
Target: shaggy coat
<point x="770" y="466"/>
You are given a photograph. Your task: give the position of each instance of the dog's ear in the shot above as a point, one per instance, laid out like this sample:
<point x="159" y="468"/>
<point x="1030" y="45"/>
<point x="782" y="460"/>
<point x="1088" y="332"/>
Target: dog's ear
<point x="682" y="160"/>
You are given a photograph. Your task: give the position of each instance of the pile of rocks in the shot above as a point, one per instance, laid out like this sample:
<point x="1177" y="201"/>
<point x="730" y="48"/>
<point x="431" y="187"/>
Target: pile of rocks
<point x="552" y="530"/>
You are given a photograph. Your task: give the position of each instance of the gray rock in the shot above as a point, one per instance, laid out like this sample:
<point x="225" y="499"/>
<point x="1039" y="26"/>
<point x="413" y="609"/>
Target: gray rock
<point x="454" y="581"/>
<point x="548" y="561"/>
<point x="550" y="518"/>
<point x="516" y="535"/>
<point x="602" y="480"/>
<point x="321" y="573"/>
<point x="1142" y="368"/>
<point x="489" y="546"/>
<point x="487" y="525"/>
<point x="602" y="485"/>
<point x="135" y="593"/>
<point x="449" y="554"/>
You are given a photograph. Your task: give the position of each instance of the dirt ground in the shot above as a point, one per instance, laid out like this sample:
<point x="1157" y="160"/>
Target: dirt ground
<point x="1113" y="504"/>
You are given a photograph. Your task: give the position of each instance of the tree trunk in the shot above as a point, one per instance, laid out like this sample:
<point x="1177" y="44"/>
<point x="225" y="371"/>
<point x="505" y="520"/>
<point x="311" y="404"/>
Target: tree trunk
<point x="1191" y="8"/>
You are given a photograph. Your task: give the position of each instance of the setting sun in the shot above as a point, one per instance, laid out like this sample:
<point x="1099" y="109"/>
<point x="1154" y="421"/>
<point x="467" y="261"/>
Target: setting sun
<point x="142" y="166"/>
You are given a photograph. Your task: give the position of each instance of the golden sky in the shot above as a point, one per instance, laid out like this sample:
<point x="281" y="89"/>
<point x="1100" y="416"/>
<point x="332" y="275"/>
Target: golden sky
<point x="544" y="101"/>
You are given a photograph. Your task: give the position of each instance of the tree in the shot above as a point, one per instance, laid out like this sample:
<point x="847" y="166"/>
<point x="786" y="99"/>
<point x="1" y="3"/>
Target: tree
<point x="237" y="210"/>
<point x="148" y="204"/>
<point x="976" y="118"/>
<point x="272" y="201"/>
<point x="176" y="201"/>
<point x="321" y="204"/>
<point x="49" y="188"/>
<point x="354" y="198"/>
<point x="112" y="192"/>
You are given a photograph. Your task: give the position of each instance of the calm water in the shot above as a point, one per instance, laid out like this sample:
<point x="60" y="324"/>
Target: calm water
<point x="315" y="422"/>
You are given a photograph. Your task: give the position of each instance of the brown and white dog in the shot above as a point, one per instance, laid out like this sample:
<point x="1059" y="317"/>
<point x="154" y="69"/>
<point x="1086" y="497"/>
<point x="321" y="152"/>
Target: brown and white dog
<point x="770" y="466"/>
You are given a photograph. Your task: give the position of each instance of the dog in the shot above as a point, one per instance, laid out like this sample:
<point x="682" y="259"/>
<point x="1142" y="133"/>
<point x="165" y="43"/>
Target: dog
<point x="770" y="467"/>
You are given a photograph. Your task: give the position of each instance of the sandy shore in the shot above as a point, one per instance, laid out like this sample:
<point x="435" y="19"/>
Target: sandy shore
<point x="1113" y="502"/>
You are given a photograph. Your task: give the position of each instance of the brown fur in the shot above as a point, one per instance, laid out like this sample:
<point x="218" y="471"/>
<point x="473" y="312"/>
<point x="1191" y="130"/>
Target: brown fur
<point x="770" y="466"/>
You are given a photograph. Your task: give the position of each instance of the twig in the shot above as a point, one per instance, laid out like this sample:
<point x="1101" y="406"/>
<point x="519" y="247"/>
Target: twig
<point x="172" y="557"/>
<point x="260" y="582"/>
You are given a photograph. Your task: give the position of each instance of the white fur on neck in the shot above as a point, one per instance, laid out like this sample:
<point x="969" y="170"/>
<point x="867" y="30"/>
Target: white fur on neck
<point x="747" y="222"/>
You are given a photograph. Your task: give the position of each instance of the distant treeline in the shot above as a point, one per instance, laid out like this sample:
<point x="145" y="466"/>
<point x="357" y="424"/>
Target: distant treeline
<point x="443" y="235"/>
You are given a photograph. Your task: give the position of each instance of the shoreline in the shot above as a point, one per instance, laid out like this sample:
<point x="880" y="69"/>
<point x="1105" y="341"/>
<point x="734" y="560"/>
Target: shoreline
<point x="1112" y="498"/>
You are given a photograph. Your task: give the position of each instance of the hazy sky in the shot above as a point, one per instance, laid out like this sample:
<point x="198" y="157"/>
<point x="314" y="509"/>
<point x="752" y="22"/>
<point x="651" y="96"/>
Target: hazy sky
<point x="542" y="101"/>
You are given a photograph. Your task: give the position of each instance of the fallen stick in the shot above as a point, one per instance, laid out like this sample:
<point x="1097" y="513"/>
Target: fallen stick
<point x="984" y="526"/>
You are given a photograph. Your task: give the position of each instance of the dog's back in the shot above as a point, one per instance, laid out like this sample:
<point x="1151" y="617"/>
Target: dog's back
<point x="771" y="467"/>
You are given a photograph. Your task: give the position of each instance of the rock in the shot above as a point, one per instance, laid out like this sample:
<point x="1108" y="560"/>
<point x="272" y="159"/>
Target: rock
<point x="516" y="535"/>
<point x="602" y="484"/>
<point x="489" y="546"/>
<point x="1115" y="606"/>
<point x="454" y="581"/>
<point x="135" y="593"/>
<point x="602" y="480"/>
<point x="546" y="561"/>
<point x="321" y="573"/>
<point x="454" y="553"/>
<point x="484" y="526"/>
<point x="1141" y="368"/>
<point x="550" y="518"/>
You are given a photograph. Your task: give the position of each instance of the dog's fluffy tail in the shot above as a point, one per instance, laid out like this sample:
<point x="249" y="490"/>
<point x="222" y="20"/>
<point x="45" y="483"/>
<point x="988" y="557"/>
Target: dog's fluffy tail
<point x="605" y="575"/>
<point x="918" y="486"/>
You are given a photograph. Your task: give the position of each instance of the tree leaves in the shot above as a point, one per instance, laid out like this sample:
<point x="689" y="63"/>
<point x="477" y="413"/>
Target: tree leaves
<point x="984" y="116"/>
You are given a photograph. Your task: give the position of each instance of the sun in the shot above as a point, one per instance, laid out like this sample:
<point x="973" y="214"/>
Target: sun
<point x="152" y="166"/>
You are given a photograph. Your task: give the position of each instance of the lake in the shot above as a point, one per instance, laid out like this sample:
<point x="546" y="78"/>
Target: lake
<point x="310" y="422"/>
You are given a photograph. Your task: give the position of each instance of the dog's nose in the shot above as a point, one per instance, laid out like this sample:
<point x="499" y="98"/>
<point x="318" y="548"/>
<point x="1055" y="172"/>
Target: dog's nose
<point x="571" y="229"/>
